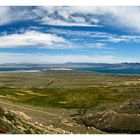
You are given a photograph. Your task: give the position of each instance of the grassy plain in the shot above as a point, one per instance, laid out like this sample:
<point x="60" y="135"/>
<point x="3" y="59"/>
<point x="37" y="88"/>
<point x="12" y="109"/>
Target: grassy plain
<point x="67" y="92"/>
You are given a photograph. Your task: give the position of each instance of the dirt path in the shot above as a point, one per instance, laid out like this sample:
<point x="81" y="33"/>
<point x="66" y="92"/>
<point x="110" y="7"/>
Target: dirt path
<point x="27" y="108"/>
<point x="53" y="115"/>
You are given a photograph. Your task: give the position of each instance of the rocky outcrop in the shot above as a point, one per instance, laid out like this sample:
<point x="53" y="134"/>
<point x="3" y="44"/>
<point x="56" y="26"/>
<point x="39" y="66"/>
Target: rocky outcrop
<point x="122" y="119"/>
<point x="130" y="107"/>
<point x="19" y="123"/>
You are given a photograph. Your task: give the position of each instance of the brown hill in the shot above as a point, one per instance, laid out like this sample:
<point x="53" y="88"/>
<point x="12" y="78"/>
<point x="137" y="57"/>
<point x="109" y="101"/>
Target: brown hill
<point x="124" y="119"/>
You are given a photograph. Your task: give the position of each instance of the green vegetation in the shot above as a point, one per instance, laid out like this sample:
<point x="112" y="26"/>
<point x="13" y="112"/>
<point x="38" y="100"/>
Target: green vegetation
<point x="69" y="90"/>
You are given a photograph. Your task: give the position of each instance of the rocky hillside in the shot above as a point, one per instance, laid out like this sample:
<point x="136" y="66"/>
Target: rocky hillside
<point x="124" y="119"/>
<point x="19" y="123"/>
<point x="130" y="107"/>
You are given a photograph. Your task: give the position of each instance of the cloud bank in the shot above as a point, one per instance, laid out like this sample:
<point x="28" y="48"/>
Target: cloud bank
<point x="41" y="58"/>
<point x="124" y="17"/>
<point x="69" y="34"/>
<point x="33" y="38"/>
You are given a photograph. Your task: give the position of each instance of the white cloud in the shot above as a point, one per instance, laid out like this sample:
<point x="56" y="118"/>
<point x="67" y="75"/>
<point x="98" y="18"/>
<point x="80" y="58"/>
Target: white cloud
<point x="33" y="38"/>
<point x="38" y="39"/>
<point x="4" y="15"/>
<point x="46" y="58"/>
<point x="80" y="33"/>
<point x="123" y="38"/>
<point x="96" y="45"/>
<point x="100" y="36"/>
<point x="67" y="16"/>
<point x="126" y="17"/>
<point x="13" y="14"/>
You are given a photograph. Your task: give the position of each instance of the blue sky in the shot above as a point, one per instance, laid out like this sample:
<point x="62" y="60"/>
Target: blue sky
<point x="69" y="34"/>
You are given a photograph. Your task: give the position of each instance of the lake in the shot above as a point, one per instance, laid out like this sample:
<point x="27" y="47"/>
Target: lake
<point x="100" y="70"/>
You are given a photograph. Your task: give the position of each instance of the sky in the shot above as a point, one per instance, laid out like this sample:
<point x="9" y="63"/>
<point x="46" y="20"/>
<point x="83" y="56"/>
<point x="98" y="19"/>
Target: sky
<point x="69" y="34"/>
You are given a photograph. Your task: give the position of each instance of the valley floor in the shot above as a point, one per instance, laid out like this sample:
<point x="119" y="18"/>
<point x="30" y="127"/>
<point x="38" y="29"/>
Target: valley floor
<point x="64" y="99"/>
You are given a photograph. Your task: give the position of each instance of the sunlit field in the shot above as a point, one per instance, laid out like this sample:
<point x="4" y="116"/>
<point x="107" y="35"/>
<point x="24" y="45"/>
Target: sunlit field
<point x="65" y="93"/>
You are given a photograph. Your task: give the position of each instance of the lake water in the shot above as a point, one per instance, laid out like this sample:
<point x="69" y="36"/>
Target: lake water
<point x="112" y="71"/>
<point x="100" y="70"/>
<point x="19" y="70"/>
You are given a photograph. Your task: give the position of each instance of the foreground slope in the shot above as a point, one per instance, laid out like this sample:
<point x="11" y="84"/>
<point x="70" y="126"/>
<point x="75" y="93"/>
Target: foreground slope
<point x="122" y="119"/>
<point x="16" y="122"/>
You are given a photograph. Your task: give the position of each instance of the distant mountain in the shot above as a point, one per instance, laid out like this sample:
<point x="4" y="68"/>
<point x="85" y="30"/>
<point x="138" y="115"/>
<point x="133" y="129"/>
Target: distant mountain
<point x="74" y="65"/>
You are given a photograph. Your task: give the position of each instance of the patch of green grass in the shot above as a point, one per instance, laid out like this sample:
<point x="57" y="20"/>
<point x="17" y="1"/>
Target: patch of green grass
<point x="69" y="89"/>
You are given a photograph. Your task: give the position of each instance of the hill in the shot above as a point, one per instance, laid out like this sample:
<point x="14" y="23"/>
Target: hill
<point x="122" y="119"/>
<point x="16" y="122"/>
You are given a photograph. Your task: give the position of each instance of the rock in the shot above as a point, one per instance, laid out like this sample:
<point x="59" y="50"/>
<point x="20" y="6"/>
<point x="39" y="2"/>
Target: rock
<point x="130" y="107"/>
<point x="16" y="122"/>
<point x="111" y="121"/>
<point x="21" y="115"/>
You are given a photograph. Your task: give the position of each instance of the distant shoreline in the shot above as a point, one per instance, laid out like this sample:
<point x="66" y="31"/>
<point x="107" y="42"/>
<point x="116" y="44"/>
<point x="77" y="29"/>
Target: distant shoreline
<point x="128" y="71"/>
<point x="20" y="71"/>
